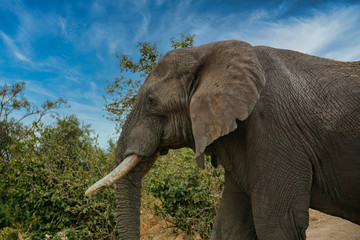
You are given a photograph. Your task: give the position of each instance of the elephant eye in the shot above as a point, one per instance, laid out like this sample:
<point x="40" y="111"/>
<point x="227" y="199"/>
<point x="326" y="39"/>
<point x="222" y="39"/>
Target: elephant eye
<point x="150" y="101"/>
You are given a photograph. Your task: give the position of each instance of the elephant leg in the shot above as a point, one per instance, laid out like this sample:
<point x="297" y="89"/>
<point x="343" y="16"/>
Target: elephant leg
<point x="280" y="204"/>
<point x="234" y="218"/>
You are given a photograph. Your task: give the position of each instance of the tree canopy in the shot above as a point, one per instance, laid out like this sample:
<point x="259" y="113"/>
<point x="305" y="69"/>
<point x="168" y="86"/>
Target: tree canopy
<point x="45" y="170"/>
<point x="14" y="108"/>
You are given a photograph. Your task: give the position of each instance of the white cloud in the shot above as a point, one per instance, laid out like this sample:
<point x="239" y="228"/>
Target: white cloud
<point x="160" y="2"/>
<point x="72" y="75"/>
<point x="14" y="49"/>
<point x="139" y="4"/>
<point x="318" y="34"/>
<point x="92" y="94"/>
<point x="349" y="53"/>
<point x="84" y="111"/>
<point x="332" y="32"/>
<point x="142" y="29"/>
<point x="62" y="24"/>
<point x="21" y="57"/>
<point x="32" y="25"/>
<point x="99" y="37"/>
<point x="329" y="32"/>
<point x="98" y="8"/>
<point x="37" y="88"/>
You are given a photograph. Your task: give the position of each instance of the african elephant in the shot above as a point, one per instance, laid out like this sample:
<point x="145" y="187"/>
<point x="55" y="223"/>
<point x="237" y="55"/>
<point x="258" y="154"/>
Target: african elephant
<point x="284" y="125"/>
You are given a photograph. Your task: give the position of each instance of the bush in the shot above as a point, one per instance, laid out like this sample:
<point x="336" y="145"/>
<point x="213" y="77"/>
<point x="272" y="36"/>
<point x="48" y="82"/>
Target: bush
<point x="44" y="184"/>
<point x="8" y="234"/>
<point x="5" y="216"/>
<point x="188" y="194"/>
<point x="42" y="189"/>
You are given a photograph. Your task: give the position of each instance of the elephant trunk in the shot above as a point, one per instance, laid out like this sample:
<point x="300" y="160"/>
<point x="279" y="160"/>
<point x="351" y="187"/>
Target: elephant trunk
<point x="128" y="196"/>
<point x="128" y="175"/>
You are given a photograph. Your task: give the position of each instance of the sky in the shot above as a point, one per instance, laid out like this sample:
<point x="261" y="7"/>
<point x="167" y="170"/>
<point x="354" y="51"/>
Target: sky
<point x="67" y="48"/>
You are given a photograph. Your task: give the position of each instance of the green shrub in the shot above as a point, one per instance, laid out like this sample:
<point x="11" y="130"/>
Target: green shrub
<point x="5" y="216"/>
<point x="188" y="194"/>
<point x="42" y="189"/>
<point x="44" y="184"/>
<point x="8" y="234"/>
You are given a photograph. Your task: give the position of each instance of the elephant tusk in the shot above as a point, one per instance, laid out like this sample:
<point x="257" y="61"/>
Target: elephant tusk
<point x="116" y="174"/>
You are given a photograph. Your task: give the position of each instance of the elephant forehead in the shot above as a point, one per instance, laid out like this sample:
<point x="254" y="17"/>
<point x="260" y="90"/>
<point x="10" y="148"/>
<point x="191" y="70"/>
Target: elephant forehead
<point x="161" y="87"/>
<point x="177" y="62"/>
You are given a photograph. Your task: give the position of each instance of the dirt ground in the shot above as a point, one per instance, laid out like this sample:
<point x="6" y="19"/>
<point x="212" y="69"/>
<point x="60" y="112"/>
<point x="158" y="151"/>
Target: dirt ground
<point x="322" y="227"/>
<point x="326" y="227"/>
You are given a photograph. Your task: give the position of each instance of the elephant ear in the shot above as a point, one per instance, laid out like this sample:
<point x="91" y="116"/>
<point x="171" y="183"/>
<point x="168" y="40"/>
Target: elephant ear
<point x="228" y="85"/>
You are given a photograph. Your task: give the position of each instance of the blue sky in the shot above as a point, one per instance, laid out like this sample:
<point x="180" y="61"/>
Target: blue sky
<point x="67" y="48"/>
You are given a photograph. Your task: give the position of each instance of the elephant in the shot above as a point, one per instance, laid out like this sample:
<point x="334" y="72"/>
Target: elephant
<point x="284" y="125"/>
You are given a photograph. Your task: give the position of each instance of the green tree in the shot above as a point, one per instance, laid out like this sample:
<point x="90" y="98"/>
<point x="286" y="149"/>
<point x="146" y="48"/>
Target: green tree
<point x="185" y="40"/>
<point x="188" y="194"/>
<point x="45" y="170"/>
<point x="49" y="171"/>
<point x="14" y="108"/>
<point x="12" y="100"/>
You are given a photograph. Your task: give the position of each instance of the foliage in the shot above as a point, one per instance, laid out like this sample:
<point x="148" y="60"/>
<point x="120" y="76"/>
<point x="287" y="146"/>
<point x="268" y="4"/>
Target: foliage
<point x="120" y="93"/>
<point x="8" y="234"/>
<point x="189" y="195"/>
<point x="49" y="171"/>
<point x="12" y="100"/>
<point x="185" y="40"/>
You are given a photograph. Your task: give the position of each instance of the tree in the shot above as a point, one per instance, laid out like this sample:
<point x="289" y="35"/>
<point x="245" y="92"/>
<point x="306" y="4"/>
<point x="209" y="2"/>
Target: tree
<point x="45" y="170"/>
<point x="14" y="108"/>
<point x="12" y="100"/>
<point x="122" y="91"/>
<point x="48" y="173"/>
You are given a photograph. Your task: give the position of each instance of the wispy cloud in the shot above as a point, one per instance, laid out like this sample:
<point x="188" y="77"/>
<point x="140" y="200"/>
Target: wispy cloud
<point x="330" y="31"/>
<point x="37" y="88"/>
<point x="62" y="24"/>
<point x="32" y="26"/>
<point x="14" y="49"/>
<point x="69" y="51"/>
<point x="322" y="32"/>
<point x="142" y="29"/>
<point x="72" y="75"/>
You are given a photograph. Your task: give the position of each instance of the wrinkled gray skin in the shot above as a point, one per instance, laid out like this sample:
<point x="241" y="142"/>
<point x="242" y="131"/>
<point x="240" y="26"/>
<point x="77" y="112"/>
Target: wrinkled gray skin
<point x="284" y="125"/>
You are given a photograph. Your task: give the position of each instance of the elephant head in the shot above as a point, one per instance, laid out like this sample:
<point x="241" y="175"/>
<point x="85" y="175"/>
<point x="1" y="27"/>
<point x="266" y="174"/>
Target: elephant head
<point x="191" y="98"/>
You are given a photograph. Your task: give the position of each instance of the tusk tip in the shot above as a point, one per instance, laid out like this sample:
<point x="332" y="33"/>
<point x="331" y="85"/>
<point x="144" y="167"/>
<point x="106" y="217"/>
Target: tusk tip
<point x="88" y="193"/>
<point x="120" y="171"/>
<point x="93" y="190"/>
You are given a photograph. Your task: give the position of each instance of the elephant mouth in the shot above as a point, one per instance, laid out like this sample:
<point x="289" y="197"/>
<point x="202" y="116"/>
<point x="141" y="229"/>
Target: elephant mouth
<point x="164" y="152"/>
<point x="119" y="172"/>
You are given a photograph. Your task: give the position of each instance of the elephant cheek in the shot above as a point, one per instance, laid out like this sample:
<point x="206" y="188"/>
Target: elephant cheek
<point x="144" y="140"/>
